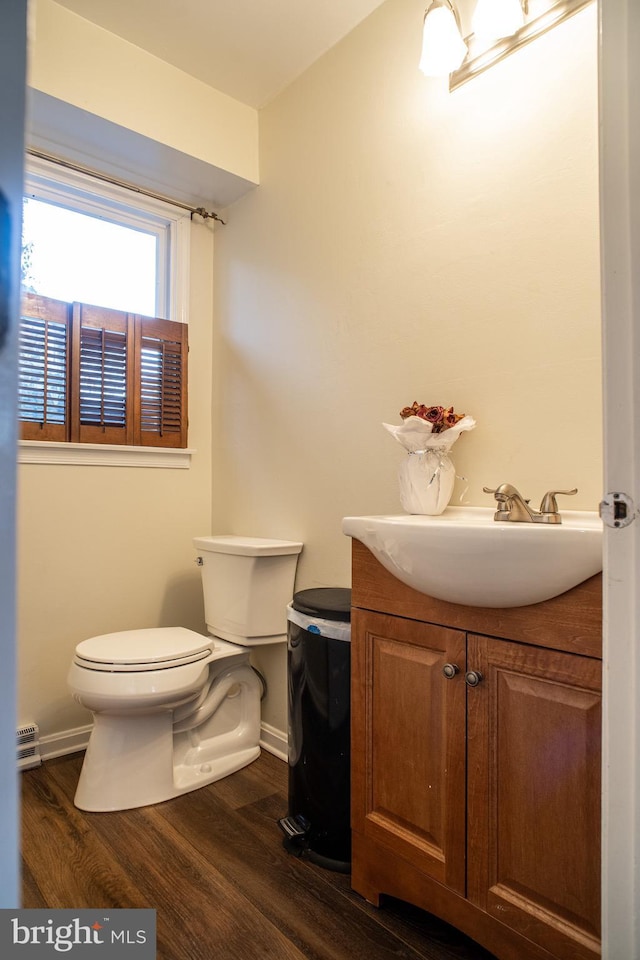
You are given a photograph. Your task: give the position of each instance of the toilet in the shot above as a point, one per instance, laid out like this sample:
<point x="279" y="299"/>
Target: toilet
<point x="174" y="710"/>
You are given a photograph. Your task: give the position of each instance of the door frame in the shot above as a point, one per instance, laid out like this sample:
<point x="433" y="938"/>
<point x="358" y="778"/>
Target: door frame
<point x="13" y="54"/>
<point x="619" y="110"/>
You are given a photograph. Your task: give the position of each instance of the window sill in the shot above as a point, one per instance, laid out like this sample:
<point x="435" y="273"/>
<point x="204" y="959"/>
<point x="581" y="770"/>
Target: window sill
<point x="103" y="455"/>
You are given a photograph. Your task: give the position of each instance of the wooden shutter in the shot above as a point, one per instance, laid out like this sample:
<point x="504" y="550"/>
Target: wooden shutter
<point x="160" y="383"/>
<point x="93" y="375"/>
<point x="43" y="369"/>
<point x="102" y="378"/>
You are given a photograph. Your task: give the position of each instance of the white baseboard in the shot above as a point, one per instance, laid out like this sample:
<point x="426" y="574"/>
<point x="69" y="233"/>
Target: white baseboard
<point x="71" y="741"/>
<point x="68" y="741"/>
<point x="274" y="741"/>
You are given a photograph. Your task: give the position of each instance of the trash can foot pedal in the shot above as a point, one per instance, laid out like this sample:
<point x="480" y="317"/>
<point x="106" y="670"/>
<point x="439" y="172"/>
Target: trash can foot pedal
<point x="294" y="827"/>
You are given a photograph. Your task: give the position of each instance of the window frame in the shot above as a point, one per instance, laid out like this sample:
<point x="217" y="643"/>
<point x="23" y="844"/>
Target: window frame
<point x="53" y="182"/>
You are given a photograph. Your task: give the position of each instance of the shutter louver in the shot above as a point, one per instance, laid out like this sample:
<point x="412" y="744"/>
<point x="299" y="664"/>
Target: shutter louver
<point x="43" y="367"/>
<point x="160" y="387"/>
<point x="103" y="375"/>
<point x="161" y="382"/>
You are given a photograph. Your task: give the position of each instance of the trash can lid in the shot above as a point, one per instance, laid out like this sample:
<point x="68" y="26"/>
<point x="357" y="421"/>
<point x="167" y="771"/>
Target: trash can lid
<point x="329" y="603"/>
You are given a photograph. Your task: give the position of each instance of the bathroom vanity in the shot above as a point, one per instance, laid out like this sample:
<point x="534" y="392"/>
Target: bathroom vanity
<point x="476" y="762"/>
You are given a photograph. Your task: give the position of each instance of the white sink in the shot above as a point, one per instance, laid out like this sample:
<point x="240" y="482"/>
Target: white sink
<point x="465" y="556"/>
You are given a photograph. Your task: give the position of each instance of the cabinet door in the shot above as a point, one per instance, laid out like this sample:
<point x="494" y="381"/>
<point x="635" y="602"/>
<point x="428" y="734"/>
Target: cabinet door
<point x="408" y="742"/>
<point x="534" y="793"/>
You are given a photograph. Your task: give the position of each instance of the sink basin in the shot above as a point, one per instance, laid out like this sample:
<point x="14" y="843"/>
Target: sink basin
<point x="465" y="556"/>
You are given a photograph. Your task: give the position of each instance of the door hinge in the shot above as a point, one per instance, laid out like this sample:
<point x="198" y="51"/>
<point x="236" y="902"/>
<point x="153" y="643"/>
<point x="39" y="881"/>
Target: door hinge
<point x="617" y="510"/>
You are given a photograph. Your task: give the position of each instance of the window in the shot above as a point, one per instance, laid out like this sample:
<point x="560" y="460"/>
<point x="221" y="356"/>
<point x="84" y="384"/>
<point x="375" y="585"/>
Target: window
<point x="70" y="255"/>
<point x="103" y="354"/>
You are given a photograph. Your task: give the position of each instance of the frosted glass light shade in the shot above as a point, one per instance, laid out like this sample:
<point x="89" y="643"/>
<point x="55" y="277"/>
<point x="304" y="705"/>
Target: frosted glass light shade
<point x="494" y="19"/>
<point x="443" y="49"/>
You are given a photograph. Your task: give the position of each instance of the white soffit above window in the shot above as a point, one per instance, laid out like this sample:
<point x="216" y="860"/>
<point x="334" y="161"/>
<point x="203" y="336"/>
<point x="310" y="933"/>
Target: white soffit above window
<point x="250" y="51"/>
<point x="61" y="129"/>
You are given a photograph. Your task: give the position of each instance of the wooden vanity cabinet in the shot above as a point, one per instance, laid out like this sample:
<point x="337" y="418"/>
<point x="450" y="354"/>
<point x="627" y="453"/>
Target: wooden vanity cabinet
<point x="480" y="804"/>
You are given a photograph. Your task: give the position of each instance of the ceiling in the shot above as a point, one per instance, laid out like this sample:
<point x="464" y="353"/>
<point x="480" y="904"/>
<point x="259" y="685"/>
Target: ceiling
<point x="248" y="49"/>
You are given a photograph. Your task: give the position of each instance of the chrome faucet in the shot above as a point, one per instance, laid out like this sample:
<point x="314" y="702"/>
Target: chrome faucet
<point x="512" y="505"/>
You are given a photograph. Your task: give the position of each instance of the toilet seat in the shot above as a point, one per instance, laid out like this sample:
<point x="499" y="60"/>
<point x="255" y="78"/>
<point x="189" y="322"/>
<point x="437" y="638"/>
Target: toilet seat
<point x="157" y="648"/>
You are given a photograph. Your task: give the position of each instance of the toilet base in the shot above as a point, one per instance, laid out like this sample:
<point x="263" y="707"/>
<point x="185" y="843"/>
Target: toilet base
<point x="137" y="761"/>
<point x="101" y="789"/>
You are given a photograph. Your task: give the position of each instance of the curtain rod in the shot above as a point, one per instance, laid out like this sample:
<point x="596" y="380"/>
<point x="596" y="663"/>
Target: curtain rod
<point x="200" y="211"/>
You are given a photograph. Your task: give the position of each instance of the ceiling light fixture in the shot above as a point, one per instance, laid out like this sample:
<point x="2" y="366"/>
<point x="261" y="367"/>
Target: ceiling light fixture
<point x="443" y="48"/>
<point x="495" y="19"/>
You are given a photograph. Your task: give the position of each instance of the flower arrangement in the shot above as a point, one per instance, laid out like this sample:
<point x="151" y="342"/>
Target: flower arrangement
<point x="426" y="428"/>
<point x="427" y="475"/>
<point x="439" y="417"/>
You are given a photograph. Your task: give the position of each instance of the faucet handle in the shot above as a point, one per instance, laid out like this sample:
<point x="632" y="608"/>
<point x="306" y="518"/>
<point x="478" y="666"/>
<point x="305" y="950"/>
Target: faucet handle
<point x="549" y="503"/>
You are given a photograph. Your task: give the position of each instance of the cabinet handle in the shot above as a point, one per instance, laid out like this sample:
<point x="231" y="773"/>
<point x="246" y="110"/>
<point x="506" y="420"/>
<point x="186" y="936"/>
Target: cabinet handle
<point x="450" y="670"/>
<point x="472" y="678"/>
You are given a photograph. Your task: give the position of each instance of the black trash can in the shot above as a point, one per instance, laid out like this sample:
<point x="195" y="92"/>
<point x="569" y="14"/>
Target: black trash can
<point x="319" y="676"/>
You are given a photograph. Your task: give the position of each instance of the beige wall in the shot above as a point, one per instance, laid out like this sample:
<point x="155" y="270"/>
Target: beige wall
<point x="109" y="548"/>
<point x="408" y="244"/>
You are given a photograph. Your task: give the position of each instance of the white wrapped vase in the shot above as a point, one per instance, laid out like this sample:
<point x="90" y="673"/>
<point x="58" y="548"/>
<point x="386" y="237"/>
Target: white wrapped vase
<point x="426" y="481"/>
<point x="427" y="474"/>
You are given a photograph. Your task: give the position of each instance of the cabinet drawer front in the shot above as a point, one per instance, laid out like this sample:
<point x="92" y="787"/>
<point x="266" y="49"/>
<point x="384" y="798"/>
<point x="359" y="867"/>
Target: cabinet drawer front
<point x="408" y="747"/>
<point x="534" y="793"/>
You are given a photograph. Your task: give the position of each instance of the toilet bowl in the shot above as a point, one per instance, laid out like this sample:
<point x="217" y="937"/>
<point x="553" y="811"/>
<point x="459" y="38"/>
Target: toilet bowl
<point x="174" y="710"/>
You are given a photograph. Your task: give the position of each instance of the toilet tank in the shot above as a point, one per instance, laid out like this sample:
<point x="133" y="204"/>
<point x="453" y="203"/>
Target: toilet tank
<point x="247" y="584"/>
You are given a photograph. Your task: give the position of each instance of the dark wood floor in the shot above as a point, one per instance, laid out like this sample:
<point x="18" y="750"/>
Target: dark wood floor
<point x="212" y="864"/>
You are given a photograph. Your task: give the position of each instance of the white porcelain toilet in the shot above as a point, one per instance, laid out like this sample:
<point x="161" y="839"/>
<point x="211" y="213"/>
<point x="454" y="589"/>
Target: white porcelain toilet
<point x="174" y="710"/>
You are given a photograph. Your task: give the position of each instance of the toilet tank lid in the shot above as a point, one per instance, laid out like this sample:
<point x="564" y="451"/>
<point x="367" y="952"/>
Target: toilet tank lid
<point x="152" y="645"/>
<point x="247" y="546"/>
